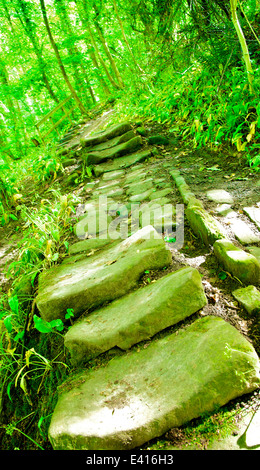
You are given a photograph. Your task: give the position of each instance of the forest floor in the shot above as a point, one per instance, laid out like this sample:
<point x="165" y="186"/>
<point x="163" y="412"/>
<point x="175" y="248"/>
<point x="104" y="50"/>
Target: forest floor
<point x="203" y="169"/>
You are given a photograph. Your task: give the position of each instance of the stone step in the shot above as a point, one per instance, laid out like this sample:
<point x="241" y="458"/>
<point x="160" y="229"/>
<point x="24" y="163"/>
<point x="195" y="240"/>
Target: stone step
<point x="107" y="134"/>
<point x="142" y="394"/>
<point x="103" y="277"/>
<point x="122" y="162"/>
<point x="98" y="156"/>
<point x="115" y="141"/>
<point x="137" y="316"/>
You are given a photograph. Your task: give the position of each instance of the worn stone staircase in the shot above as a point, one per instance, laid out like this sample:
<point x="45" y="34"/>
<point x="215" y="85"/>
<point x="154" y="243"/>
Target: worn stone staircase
<point x="171" y="366"/>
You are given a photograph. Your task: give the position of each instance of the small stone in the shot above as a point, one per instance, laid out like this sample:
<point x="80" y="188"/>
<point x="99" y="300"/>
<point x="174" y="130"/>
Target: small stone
<point x="249" y="298"/>
<point x="142" y="131"/>
<point x="158" y="140"/>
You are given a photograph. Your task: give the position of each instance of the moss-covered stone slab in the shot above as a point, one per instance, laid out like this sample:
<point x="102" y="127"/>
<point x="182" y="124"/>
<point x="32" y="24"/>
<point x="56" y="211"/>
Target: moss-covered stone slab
<point x="122" y="162"/>
<point x="98" y="156"/>
<point x="160" y="193"/>
<point x="143" y="196"/>
<point x="204" y="224"/>
<point x="137" y="316"/>
<point x="113" y="175"/>
<point x="89" y="245"/>
<point x="237" y="262"/>
<point x="107" y="134"/>
<point x="103" y="277"/>
<point x="139" y="187"/>
<point x="249" y="298"/>
<point x="115" y="141"/>
<point x="144" y="393"/>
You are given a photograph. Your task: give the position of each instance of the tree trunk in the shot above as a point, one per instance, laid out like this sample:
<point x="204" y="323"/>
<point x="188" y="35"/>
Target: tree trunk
<point x="109" y="56"/>
<point x="91" y="51"/>
<point x="4" y="79"/>
<point x="27" y="26"/>
<point x="94" y="44"/>
<point x="79" y="70"/>
<point x="242" y="40"/>
<point x="125" y="38"/>
<point x="58" y="57"/>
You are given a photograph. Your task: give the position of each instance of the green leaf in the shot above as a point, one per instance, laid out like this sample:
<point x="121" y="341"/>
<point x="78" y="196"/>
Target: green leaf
<point x="69" y="314"/>
<point x="8" y="323"/>
<point x="58" y="324"/>
<point x="41" y="325"/>
<point x="222" y="275"/>
<point x="55" y="257"/>
<point x="14" y="304"/>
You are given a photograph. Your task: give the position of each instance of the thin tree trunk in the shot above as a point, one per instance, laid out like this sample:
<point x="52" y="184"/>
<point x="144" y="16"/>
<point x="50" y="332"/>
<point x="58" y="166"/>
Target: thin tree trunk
<point x="94" y="44"/>
<point x="58" y="57"/>
<point x="27" y="26"/>
<point x="91" y="51"/>
<point x="109" y="56"/>
<point x="10" y="104"/>
<point x="242" y="40"/>
<point x="125" y="38"/>
<point x="60" y="7"/>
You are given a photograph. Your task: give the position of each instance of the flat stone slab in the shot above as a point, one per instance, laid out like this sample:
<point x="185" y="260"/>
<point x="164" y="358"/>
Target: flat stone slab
<point x="122" y="162"/>
<point x="243" y="232"/>
<point x="98" y="156"/>
<point x="254" y="214"/>
<point x="141" y="395"/>
<point x="103" y="277"/>
<point x="113" y="175"/>
<point x="220" y="196"/>
<point x="137" y="316"/>
<point x="162" y="193"/>
<point x="240" y="264"/>
<point x="249" y="298"/>
<point x="139" y="187"/>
